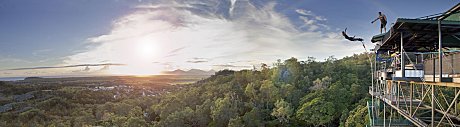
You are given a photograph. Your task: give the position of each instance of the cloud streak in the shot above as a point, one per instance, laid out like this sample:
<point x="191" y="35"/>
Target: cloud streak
<point x="197" y="61"/>
<point x="177" y="50"/>
<point x="69" y="66"/>
<point x="310" y="13"/>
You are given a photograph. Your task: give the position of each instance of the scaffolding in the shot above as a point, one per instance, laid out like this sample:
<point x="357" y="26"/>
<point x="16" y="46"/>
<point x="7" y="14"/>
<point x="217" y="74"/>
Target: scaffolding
<point x="416" y="78"/>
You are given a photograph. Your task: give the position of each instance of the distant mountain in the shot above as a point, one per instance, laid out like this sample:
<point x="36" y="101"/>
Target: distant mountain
<point x="189" y="72"/>
<point x="33" y="78"/>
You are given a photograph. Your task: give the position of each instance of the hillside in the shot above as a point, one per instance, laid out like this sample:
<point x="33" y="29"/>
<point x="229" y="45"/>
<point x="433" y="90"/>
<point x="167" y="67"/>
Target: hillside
<point x="189" y="72"/>
<point x="293" y="93"/>
<point x="290" y="93"/>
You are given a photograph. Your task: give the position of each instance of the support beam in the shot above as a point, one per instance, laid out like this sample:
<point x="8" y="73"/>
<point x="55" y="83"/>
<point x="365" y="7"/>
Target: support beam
<point x="384" y="114"/>
<point x="434" y="67"/>
<point x="373" y="68"/>
<point x="440" y="50"/>
<point x="448" y="109"/>
<point x="403" y="69"/>
<point x="416" y="121"/>
<point x="456" y="102"/>
<point x="442" y="112"/>
<point x="443" y="84"/>
<point x="397" y="94"/>
<point x="423" y="87"/>
<point x="411" y="97"/>
<point x="432" y="106"/>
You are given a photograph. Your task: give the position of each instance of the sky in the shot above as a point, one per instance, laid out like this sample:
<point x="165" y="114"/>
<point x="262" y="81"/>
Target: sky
<point x="143" y="37"/>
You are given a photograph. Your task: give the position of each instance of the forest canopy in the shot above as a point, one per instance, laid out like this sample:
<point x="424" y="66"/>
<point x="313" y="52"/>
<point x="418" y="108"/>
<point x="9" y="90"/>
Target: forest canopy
<point x="288" y="93"/>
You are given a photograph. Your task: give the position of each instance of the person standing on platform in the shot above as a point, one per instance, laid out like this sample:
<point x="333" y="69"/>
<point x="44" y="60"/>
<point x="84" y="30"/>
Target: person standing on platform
<point x="383" y="21"/>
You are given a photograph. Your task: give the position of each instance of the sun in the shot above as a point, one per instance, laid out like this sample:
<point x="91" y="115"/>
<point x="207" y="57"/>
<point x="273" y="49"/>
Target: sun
<point x="138" y="57"/>
<point x="146" y="48"/>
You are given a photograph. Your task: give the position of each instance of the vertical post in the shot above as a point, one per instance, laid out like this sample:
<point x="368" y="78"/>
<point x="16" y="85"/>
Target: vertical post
<point x="375" y="82"/>
<point x="384" y="114"/>
<point x="423" y="60"/>
<point x="372" y="87"/>
<point x="432" y="90"/>
<point x="455" y="109"/>
<point x="434" y="67"/>
<point x="440" y="51"/>
<point x="452" y="63"/>
<point x="423" y="87"/>
<point x="398" y="92"/>
<point x="410" y="102"/>
<point x="403" y="69"/>
<point x="393" y="90"/>
<point x="432" y="105"/>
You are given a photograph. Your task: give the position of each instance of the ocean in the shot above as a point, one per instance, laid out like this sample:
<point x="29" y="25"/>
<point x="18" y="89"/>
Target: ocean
<point x="11" y="78"/>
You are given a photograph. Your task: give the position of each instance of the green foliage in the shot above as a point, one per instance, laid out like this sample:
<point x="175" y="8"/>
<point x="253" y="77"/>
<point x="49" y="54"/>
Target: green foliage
<point x="182" y="118"/>
<point x="223" y="110"/>
<point x="291" y="93"/>
<point x="135" y="122"/>
<point x="235" y="122"/>
<point x="282" y="111"/>
<point x="316" y="112"/>
<point x="358" y="117"/>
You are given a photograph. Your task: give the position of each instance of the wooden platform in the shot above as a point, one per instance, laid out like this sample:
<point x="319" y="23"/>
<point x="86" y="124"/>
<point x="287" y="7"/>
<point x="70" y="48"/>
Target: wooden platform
<point x="446" y="84"/>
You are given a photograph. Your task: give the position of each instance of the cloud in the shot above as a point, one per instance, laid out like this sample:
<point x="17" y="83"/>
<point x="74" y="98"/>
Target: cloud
<point x="199" y="58"/>
<point x="224" y="31"/>
<point x="197" y="61"/>
<point x="68" y="66"/>
<point x="311" y="21"/>
<point x="311" y="14"/>
<point x="230" y="66"/>
<point x="177" y="50"/>
<point x="170" y="55"/>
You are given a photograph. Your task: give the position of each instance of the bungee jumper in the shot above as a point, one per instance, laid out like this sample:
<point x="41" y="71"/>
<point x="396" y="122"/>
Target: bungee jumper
<point x="344" y="33"/>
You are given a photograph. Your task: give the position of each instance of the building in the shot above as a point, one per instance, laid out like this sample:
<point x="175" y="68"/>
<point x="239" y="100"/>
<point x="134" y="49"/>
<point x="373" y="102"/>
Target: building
<point x="416" y="72"/>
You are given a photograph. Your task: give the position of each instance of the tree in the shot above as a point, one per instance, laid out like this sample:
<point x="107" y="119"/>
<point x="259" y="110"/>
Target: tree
<point x="135" y="122"/>
<point x="282" y="111"/>
<point x="253" y="118"/>
<point x="282" y="95"/>
<point x="321" y="83"/>
<point x="136" y="112"/>
<point x="316" y="112"/>
<point x="358" y="117"/>
<point x="294" y="67"/>
<point x="291" y="94"/>
<point x="269" y="93"/>
<point x="122" y="109"/>
<point x="222" y="111"/>
<point x="236" y="122"/>
<point x="181" y="118"/>
<point x="251" y="92"/>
